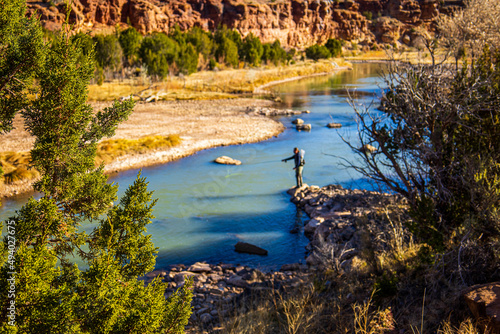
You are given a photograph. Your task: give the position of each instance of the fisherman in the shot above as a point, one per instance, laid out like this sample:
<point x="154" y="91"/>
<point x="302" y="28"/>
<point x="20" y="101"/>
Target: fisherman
<point x="299" y="164"/>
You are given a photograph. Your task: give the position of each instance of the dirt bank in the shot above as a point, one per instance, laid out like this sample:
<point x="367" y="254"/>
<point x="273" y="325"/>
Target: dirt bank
<point x="201" y="125"/>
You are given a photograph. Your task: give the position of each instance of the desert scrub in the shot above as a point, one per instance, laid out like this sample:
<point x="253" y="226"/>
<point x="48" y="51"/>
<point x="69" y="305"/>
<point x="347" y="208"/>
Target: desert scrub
<point x="113" y="148"/>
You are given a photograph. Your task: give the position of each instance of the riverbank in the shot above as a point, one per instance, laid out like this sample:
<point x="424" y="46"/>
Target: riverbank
<point x="200" y="124"/>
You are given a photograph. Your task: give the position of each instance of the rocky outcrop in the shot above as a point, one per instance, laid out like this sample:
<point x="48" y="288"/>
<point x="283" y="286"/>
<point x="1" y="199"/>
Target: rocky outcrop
<point x="484" y="302"/>
<point x="218" y="288"/>
<point x="334" y="125"/>
<point x="335" y="225"/>
<point x="296" y="23"/>
<point x="303" y="127"/>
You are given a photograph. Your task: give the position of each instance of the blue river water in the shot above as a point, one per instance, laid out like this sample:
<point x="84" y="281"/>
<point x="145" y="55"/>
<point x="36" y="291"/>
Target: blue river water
<point x="204" y="208"/>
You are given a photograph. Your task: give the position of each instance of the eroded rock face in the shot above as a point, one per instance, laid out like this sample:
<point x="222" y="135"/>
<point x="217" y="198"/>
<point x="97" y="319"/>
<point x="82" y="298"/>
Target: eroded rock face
<point x="296" y="23"/>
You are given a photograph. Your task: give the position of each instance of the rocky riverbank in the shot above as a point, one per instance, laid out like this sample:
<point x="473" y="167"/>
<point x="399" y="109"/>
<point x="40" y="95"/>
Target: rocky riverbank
<point x="340" y="219"/>
<point x="217" y="289"/>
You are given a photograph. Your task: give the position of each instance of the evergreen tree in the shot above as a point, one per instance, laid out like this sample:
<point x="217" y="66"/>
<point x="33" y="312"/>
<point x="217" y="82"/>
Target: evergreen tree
<point x="108" y="52"/>
<point x="334" y="46"/>
<point x="130" y="41"/>
<point x="188" y="59"/>
<point x="52" y="294"/>
<point x="158" y="51"/>
<point x="252" y="50"/>
<point x="316" y="52"/>
<point x="21" y="51"/>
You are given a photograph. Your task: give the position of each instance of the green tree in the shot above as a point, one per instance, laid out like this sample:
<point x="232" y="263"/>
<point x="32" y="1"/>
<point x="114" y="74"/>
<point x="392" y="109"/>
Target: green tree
<point x="108" y="52"/>
<point x="252" y="50"/>
<point x="227" y="52"/>
<point x="188" y="59"/>
<point x="52" y="293"/>
<point x="273" y="52"/>
<point x="22" y="50"/>
<point x="158" y="51"/>
<point x="316" y="52"/>
<point x="130" y="41"/>
<point x="201" y="40"/>
<point x="334" y="46"/>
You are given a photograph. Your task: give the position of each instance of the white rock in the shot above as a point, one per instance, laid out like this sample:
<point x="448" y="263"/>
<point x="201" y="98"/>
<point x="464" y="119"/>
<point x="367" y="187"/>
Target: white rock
<point x="227" y="161"/>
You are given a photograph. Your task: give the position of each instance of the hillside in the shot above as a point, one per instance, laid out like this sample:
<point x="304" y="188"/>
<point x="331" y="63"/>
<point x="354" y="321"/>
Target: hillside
<point x="296" y="23"/>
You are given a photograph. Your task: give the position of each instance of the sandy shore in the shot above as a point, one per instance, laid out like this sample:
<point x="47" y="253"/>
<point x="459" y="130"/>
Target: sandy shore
<point x="201" y="125"/>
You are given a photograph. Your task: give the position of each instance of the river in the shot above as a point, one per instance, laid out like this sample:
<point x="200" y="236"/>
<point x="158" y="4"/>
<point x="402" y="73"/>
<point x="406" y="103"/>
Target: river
<point x="204" y="208"/>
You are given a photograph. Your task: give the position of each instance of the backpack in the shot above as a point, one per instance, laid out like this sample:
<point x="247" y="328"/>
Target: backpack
<point x="302" y="154"/>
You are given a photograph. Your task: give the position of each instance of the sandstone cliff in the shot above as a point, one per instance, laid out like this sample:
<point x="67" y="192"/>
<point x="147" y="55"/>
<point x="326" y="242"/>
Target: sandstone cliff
<point x="296" y="23"/>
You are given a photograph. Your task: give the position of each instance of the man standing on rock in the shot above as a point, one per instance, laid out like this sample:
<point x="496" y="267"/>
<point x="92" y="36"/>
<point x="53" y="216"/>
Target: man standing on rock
<point x="299" y="164"/>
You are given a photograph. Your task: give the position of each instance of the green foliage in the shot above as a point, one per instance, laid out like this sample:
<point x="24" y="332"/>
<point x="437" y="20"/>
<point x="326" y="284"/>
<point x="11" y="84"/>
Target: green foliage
<point x="158" y="51"/>
<point x="188" y="59"/>
<point x="108" y="52"/>
<point x="201" y="40"/>
<point x="316" y="52"/>
<point x="368" y="15"/>
<point x="334" y="46"/>
<point x="252" y="50"/>
<point x="22" y="50"/>
<point x="130" y="41"/>
<point x="227" y="52"/>
<point x="273" y="52"/>
<point x="52" y="293"/>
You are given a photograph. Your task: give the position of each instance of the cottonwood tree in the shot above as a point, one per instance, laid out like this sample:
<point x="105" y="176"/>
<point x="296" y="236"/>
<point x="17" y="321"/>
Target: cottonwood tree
<point x="52" y="292"/>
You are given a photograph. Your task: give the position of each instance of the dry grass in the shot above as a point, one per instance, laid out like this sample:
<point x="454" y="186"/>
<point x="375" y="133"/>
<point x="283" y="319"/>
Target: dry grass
<point x="390" y="287"/>
<point x="210" y="85"/>
<point x="110" y="149"/>
<point x="15" y="166"/>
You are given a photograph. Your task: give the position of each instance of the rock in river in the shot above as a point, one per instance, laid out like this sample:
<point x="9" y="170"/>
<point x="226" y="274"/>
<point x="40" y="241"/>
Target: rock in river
<point x="304" y="127"/>
<point x="243" y="247"/>
<point x="227" y="161"/>
<point x="298" y="121"/>
<point x="334" y="125"/>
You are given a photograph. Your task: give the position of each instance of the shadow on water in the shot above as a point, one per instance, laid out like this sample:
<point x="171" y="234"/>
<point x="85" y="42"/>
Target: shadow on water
<point x="217" y="235"/>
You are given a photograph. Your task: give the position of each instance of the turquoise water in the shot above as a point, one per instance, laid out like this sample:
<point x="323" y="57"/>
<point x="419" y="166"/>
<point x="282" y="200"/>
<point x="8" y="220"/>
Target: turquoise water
<point x="204" y="208"/>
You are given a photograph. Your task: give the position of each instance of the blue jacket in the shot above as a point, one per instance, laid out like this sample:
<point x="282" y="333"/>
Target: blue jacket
<point x="299" y="159"/>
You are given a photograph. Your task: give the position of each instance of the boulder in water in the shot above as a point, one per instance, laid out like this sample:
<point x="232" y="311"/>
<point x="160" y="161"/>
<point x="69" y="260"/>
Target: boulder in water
<point x="303" y="127"/>
<point x="227" y="161"/>
<point x="334" y="125"/>
<point x="298" y="121"/>
<point x="243" y="247"/>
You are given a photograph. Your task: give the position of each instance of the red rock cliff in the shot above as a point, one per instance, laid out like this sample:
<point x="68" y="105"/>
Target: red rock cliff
<point x="295" y="23"/>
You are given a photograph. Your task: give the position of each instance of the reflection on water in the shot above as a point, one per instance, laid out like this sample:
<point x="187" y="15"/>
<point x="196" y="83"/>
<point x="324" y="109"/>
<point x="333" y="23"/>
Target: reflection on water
<point x="204" y="208"/>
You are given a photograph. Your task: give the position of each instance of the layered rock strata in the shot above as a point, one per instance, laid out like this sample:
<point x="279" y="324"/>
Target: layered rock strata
<point x="296" y="23"/>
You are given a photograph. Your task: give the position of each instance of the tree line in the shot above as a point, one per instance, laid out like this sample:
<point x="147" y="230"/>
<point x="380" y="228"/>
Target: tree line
<point x="186" y="52"/>
<point x="179" y="52"/>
